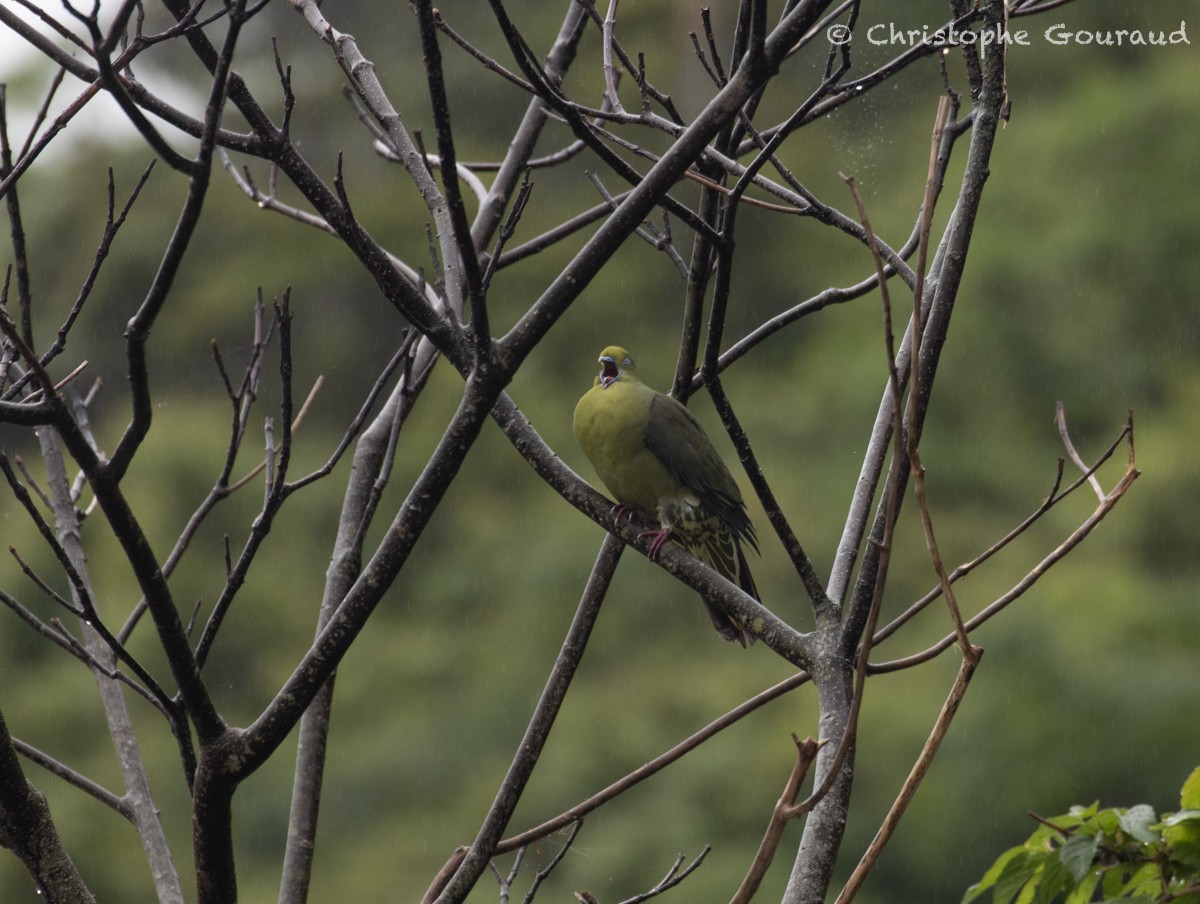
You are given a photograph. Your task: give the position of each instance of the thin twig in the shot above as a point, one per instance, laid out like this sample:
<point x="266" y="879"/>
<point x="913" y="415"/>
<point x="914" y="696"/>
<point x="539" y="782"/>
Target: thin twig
<point x="673" y="877"/>
<point x="784" y="811"/>
<point x="915" y="388"/>
<point x="541" y="875"/>
<point x="1017" y="590"/>
<point x="487" y="841"/>
<point x="71" y="777"/>
<point x="610" y="74"/>
<point x="967" y="567"/>
<point x="966" y="669"/>
<point x="1060" y="418"/>
<point x="296" y="422"/>
<point x="655" y="765"/>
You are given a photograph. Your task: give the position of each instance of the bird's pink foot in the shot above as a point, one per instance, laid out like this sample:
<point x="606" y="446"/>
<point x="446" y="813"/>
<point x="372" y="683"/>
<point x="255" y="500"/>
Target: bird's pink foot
<point x="622" y="512"/>
<point x="661" y="536"/>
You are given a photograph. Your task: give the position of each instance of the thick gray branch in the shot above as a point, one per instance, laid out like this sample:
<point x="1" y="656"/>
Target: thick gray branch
<point x="27" y="830"/>
<point x="143" y="810"/>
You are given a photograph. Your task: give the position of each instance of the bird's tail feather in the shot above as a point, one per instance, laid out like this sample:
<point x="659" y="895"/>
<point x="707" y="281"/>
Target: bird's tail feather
<point x="718" y="547"/>
<point x="726" y="626"/>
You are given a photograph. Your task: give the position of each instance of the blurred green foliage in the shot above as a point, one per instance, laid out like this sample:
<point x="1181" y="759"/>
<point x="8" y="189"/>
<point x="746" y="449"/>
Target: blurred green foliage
<point x="1081" y="287"/>
<point x="1118" y="853"/>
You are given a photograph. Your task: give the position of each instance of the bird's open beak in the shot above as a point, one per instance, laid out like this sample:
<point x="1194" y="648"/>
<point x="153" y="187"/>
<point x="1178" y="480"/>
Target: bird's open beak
<point x="608" y="371"/>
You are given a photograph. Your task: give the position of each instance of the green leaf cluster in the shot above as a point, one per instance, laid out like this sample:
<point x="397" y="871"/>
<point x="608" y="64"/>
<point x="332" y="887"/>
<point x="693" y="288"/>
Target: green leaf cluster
<point x="1114" y="854"/>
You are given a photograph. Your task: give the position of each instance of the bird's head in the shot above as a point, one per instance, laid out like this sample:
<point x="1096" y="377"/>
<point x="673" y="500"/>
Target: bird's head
<point x="615" y="363"/>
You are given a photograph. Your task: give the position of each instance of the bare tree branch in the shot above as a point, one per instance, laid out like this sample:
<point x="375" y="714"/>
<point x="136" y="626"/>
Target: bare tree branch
<point x="663" y="175"/>
<point x="27" y="829"/>
<point x="784" y="811"/>
<point x="530" y="749"/>
<point x="966" y="669"/>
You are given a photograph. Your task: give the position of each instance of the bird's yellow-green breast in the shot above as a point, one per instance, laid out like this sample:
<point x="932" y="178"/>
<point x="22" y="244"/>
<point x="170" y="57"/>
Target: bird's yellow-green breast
<point x="652" y="454"/>
<point x="610" y="423"/>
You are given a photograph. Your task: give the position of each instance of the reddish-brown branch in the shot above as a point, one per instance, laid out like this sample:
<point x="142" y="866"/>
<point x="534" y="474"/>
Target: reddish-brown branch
<point x="786" y="809"/>
<point x="915" y="388"/>
<point x="655" y="765"/>
<point x="907" y="791"/>
<point x="1018" y="589"/>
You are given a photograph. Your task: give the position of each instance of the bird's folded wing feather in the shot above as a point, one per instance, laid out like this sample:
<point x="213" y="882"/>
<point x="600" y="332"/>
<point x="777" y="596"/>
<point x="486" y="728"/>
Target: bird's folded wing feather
<point x="675" y="436"/>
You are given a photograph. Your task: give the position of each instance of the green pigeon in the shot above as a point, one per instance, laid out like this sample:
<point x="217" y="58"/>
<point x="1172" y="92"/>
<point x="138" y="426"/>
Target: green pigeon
<point x="654" y="456"/>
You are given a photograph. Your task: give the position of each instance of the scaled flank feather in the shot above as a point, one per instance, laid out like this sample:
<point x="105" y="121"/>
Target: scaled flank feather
<point x="653" y="455"/>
